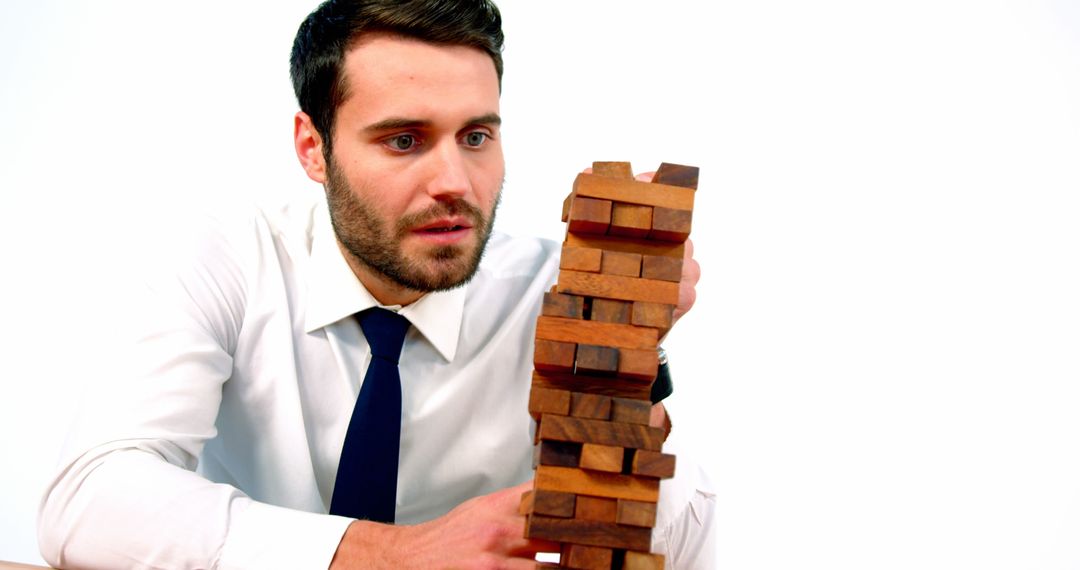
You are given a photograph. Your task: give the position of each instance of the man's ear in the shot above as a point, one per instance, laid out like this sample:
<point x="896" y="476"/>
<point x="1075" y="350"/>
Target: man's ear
<point x="309" y="147"/>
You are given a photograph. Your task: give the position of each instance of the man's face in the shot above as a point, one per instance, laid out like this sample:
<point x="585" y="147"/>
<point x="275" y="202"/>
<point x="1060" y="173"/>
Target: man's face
<point x="417" y="163"/>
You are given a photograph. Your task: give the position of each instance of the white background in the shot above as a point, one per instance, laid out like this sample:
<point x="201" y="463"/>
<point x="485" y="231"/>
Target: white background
<point x="882" y="370"/>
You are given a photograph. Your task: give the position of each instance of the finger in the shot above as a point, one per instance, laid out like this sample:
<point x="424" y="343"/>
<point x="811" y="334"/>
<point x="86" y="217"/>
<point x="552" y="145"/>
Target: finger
<point x="646" y="176"/>
<point x="588" y="170"/>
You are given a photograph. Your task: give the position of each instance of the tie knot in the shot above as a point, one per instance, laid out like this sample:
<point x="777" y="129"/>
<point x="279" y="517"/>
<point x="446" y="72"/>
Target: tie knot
<point x="385" y="332"/>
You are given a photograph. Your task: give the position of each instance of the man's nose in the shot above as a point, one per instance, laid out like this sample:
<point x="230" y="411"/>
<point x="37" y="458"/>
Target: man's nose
<point x="449" y="176"/>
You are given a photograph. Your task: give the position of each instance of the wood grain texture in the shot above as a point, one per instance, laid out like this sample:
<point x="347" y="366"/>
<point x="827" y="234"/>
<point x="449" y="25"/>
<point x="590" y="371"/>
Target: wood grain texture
<point x="578" y="258"/>
<point x="670" y="224"/>
<point x="561" y="305"/>
<point x="630" y="220"/>
<point x="618" y="287"/>
<point x="589" y="533"/>
<point x="595" y="384"/>
<point x="623" y="170"/>
<point x="610" y="311"/>
<point x="650" y="463"/>
<point x="635" y="436"/>
<point x="597" y="483"/>
<point x="676" y="175"/>
<point x="620" y="263"/>
<point x="633" y="192"/>
<point x="581" y="557"/>
<point x="636" y="513"/>
<point x="590" y="406"/>
<point x="557" y="453"/>
<point x="548" y="401"/>
<point x="656" y="315"/>
<point x="630" y="411"/>
<point x="600" y="509"/>
<point x="601" y="458"/>
<point x="553" y="503"/>
<point x="660" y="267"/>
<point x="554" y="356"/>
<point x="627" y="245"/>
<point x="591" y="332"/>
<point x="643" y="561"/>
<point x="600" y="360"/>
<point x="638" y="365"/>
<point x="589" y="215"/>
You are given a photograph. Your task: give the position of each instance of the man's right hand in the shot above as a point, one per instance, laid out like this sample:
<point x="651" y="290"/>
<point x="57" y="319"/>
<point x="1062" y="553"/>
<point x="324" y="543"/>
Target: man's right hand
<point x="484" y="532"/>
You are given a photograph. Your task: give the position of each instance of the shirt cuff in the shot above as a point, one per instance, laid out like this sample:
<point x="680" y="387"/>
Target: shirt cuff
<point x="269" y="537"/>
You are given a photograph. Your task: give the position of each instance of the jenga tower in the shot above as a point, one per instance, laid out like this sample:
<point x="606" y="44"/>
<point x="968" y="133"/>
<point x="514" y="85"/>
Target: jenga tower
<point x="598" y="461"/>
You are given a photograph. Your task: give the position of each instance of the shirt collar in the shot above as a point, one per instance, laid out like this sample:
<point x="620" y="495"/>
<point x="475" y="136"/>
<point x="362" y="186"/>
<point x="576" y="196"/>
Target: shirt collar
<point x="334" y="293"/>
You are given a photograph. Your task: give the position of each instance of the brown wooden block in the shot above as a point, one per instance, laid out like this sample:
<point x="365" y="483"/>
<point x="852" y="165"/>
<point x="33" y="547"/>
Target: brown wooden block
<point x="596" y="384"/>
<point x="658" y="315"/>
<point x="613" y="169"/>
<point x="592" y="332"/>
<point x="633" y="192"/>
<point x="554" y="356"/>
<point x="631" y="411"/>
<point x="618" y="287"/>
<point x="589" y="215"/>
<point x="636" y="513"/>
<point x="676" y="175"/>
<point x="563" y="305"/>
<point x="661" y="267"/>
<point x="566" y="207"/>
<point x="653" y="464"/>
<point x="592" y="359"/>
<point x="640" y="365"/>
<point x="525" y="506"/>
<point x="601" y="458"/>
<point x="669" y="224"/>
<point x="591" y="406"/>
<point x="548" y="401"/>
<point x="610" y="311"/>
<point x="578" y="258"/>
<point x="561" y="428"/>
<point x="581" y="557"/>
<point x="600" y="509"/>
<point x="643" y="561"/>
<point x="597" y="483"/>
<point x="630" y="220"/>
<point x="553" y="503"/>
<point x="589" y="533"/>
<point x="557" y="453"/>
<point x="629" y="245"/>
<point x="621" y="263"/>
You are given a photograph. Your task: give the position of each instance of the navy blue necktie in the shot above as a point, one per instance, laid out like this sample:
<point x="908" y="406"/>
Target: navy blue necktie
<point x="366" y="484"/>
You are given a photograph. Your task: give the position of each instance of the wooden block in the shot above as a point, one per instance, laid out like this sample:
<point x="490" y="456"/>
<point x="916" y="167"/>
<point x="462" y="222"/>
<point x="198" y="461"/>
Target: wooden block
<point x="669" y="224"/>
<point x="643" y="561"/>
<point x="591" y="406"/>
<point x="613" y="170"/>
<point x="650" y="463"/>
<point x="589" y="533"/>
<point x="610" y="311"/>
<point x="639" y="365"/>
<point x="576" y="258"/>
<point x="581" y="557"/>
<point x="557" y="453"/>
<point x="601" y="458"/>
<point x="598" y="360"/>
<point x="525" y="506"/>
<point x="631" y="411"/>
<point x="658" y="315"/>
<point x="620" y="263"/>
<point x="581" y="430"/>
<point x="629" y="245"/>
<point x="600" y="509"/>
<point x="595" y="384"/>
<point x="589" y="215"/>
<point x="618" y="287"/>
<point x="630" y="220"/>
<point x="597" y="483"/>
<point x="636" y="513"/>
<point x="661" y="267"/>
<point x="676" y="175"/>
<point x="591" y="332"/>
<point x="553" y="503"/>
<point x="554" y="356"/>
<point x="563" y="305"/>
<point x="548" y="401"/>
<point x="566" y="207"/>
<point x="632" y="192"/>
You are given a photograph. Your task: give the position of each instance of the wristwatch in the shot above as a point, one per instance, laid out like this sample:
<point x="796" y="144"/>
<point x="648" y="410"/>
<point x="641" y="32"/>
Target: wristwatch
<point x="662" y="386"/>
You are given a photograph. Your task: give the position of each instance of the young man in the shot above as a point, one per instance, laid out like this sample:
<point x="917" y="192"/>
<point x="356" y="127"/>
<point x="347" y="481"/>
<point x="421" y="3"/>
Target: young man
<point x="249" y="356"/>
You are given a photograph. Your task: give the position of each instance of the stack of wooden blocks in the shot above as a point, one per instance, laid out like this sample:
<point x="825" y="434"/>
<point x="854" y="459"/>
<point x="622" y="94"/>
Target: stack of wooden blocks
<point x="598" y="460"/>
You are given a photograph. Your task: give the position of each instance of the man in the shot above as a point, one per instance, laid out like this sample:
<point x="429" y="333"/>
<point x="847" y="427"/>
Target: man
<point x="248" y="357"/>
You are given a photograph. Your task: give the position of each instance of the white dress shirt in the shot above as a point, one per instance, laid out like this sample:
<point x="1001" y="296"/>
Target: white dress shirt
<point x="217" y="443"/>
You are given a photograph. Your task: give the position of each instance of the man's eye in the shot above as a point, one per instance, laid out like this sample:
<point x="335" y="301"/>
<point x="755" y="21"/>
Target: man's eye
<point x="402" y="142"/>
<point x="475" y="138"/>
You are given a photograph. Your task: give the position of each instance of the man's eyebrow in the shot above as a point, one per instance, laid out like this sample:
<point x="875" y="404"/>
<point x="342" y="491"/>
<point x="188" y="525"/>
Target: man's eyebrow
<point x="488" y="119"/>
<point x="397" y="123"/>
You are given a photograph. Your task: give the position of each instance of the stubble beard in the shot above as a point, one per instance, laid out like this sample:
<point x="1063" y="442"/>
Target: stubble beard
<point x="362" y="233"/>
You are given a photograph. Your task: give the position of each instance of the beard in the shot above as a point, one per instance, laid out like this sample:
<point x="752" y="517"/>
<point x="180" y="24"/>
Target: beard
<point x="365" y="236"/>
